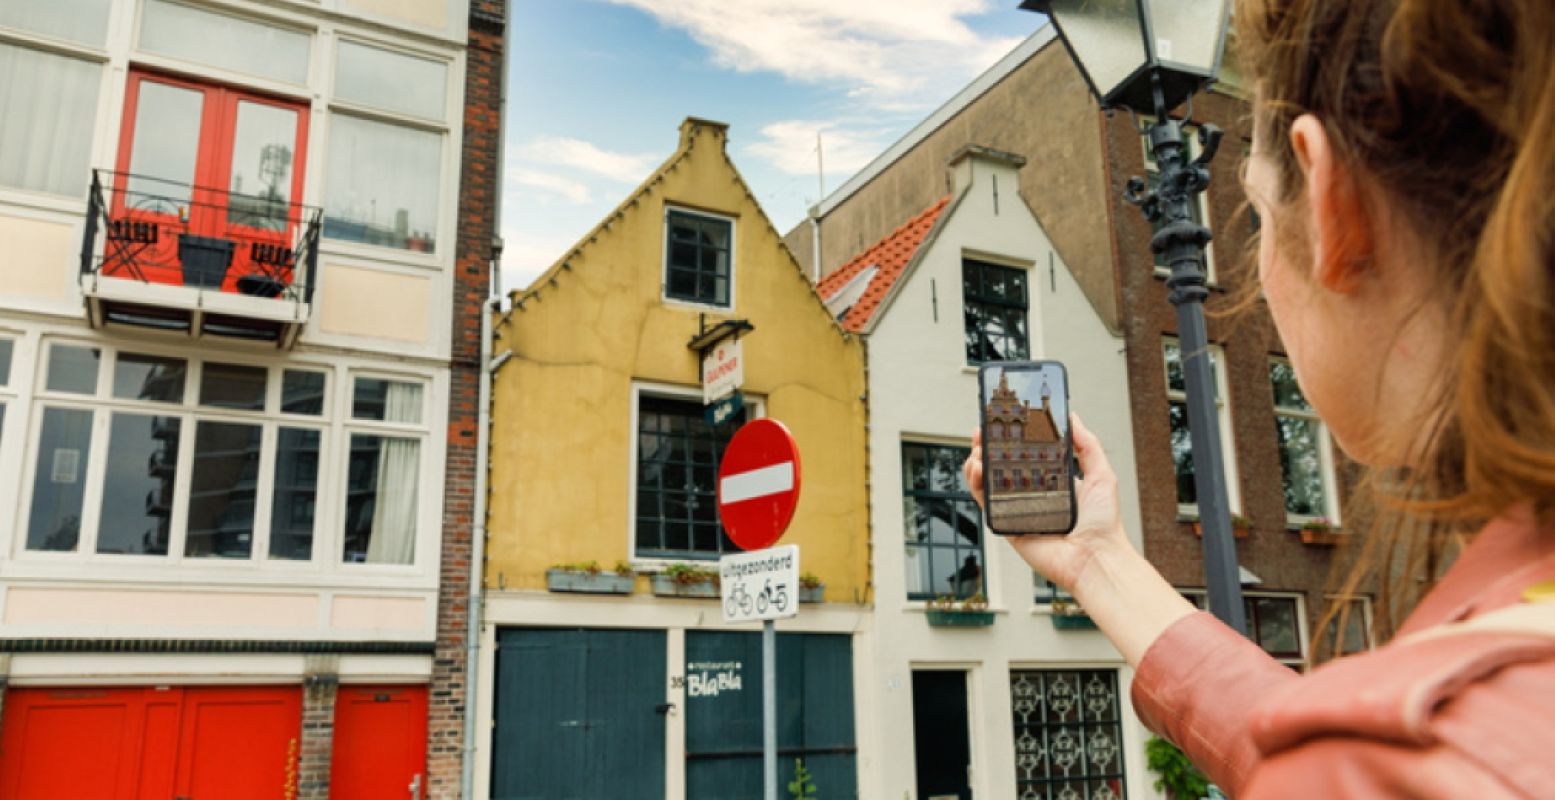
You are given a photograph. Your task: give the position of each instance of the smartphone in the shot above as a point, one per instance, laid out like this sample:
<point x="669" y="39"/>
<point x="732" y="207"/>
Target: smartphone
<point x="1028" y="449"/>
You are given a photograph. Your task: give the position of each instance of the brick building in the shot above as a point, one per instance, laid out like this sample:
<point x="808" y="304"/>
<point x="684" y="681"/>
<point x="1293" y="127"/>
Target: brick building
<point x="1281" y="464"/>
<point x="247" y="250"/>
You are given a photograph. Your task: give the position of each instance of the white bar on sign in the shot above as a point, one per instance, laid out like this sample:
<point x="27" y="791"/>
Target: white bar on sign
<point x="758" y="483"/>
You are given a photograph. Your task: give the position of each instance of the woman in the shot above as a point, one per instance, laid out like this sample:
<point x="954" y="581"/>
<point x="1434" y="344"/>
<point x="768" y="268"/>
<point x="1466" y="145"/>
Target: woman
<point x="1404" y="164"/>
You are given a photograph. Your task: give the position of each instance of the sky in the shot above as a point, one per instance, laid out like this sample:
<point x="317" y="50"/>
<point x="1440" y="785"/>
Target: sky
<point x="597" y="90"/>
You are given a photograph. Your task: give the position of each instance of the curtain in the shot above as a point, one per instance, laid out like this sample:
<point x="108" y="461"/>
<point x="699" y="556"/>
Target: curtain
<point x="394" y="518"/>
<point x="49" y="105"/>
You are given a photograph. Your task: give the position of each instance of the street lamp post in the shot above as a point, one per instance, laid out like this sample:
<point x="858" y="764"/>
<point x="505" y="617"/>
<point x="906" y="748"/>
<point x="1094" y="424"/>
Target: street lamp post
<point x="1150" y="56"/>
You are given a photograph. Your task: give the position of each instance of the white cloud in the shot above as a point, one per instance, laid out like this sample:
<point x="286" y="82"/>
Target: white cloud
<point x="581" y="155"/>
<point x="789" y="145"/>
<point x="526" y="254"/>
<point x="573" y="191"/>
<point x="881" y="51"/>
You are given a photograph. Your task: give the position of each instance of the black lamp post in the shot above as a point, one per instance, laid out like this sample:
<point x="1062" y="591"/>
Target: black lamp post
<point x="1150" y="56"/>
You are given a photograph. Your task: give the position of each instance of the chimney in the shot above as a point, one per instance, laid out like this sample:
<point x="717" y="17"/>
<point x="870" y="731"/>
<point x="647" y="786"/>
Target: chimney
<point x="691" y="126"/>
<point x="976" y="159"/>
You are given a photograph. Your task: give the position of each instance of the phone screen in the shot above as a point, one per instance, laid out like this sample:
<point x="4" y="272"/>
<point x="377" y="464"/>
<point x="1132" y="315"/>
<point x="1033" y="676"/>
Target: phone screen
<point x="1028" y="453"/>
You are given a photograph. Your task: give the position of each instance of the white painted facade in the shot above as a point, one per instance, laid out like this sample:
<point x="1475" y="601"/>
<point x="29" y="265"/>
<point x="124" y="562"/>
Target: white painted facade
<point x="922" y="390"/>
<point x="379" y="313"/>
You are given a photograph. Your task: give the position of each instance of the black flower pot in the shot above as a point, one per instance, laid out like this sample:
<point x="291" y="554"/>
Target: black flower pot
<point x="205" y="260"/>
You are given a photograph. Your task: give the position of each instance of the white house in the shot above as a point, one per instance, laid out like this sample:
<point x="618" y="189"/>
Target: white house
<point x="1019" y="708"/>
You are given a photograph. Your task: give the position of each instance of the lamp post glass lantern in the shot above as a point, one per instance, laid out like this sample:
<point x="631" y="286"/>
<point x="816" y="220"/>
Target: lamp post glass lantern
<point x="1150" y="56"/>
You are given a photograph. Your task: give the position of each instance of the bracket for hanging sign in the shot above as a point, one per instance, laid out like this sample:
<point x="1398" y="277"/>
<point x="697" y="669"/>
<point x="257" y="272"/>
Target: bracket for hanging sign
<point x="707" y="338"/>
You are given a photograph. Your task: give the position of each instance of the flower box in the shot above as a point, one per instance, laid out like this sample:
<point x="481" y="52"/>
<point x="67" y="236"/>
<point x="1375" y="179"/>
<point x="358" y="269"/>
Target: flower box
<point x="812" y="594"/>
<point x="1070" y="621"/>
<point x="665" y="585"/>
<point x="1327" y="537"/>
<point x="1239" y="531"/>
<point x="942" y="618"/>
<point x="579" y="581"/>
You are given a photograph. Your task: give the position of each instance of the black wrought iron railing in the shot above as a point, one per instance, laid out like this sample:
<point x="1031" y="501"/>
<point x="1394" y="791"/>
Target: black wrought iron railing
<point x="159" y="231"/>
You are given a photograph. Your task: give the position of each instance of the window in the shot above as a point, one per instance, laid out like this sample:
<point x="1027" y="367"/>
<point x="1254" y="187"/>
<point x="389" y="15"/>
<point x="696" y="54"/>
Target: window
<point x="1306" y="455"/>
<point x="383" y="184"/>
<point x="1068" y="733"/>
<point x="1276" y="622"/>
<point x="229" y="42"/>
<point x="677" y="473"/>
<point x="1181" y="441"/>
<point x="1356" y="618"/>
<point x="50" y="104"/>
<point x="83" y="21"/>
<point x="189" y="459"/>
<point x="6" y="346"/>
<point x="384" y="473"/>
<point x="698" y="258"/>
<point x="944" y="528"/>
<point x="995" y="304"/>
<point x="388" y="80"/>
<point x="1198" y="209"/>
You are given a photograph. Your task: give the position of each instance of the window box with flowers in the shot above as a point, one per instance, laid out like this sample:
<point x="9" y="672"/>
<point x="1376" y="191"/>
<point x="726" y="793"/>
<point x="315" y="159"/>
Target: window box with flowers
<point x="811" y="590"/>
<point x="1241" y="527"/>
<point x="948" y="612"/>
<point x="588" y="578"/>
<point x="683" y="580"/>
<point x="1320" y="531"/>
<point x="1067" y="615"/>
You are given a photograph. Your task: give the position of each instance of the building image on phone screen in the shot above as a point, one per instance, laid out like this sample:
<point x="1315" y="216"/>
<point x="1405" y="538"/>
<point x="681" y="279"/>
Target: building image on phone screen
<point x="1027" y="470"/>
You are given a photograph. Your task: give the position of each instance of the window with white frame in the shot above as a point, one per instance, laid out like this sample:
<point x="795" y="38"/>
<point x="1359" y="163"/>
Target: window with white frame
<point x="142" y="454"/>
<point x="222" y="40"/>
<point x="698" y="257"/>
<point x="49" y="96"/>
<point x="1355" y="617"/>
<point x="387" y="134"/>
<point x="1306" y="452"/>
<point x="676" y="479"/>
<point x="1198" y="209"/>
<point x="1276" y="622"/>
<point x="7" y="349"/>
<point x="1181" y="438"/>
<point x="994" y="303"/>
<point x="944" y="527"/>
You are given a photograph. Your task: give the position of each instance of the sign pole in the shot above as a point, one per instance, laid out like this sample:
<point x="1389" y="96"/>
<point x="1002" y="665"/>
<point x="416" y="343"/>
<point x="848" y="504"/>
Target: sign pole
<point x="769" y="705"/>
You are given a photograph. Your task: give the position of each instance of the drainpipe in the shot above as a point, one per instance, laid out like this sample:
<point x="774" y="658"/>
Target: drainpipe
<point x="475" y="604"/>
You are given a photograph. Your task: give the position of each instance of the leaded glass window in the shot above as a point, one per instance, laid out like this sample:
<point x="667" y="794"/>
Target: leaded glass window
<point x="995" y="300"/>
<point x="677" y="474"/>
<point x="944" y="527"/>
<point x="698" y="258"/>
<point x="1068" y="734"/>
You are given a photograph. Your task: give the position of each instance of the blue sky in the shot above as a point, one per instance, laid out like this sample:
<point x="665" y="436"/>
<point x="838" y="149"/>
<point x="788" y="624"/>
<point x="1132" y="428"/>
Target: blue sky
<point x="597" y="88"/>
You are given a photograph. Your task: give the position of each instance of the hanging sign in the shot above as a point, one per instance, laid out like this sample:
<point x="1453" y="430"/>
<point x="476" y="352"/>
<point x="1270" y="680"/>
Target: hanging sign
<point x="723" y="370"/>
<point x="722" y="411"/>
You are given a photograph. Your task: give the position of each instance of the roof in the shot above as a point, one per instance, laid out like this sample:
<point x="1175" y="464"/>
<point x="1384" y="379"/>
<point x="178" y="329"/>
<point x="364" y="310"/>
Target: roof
<point x="885" y="262"/>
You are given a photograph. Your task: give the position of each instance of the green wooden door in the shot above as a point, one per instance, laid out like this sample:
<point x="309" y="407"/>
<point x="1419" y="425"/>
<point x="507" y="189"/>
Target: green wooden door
<point x="723" y="714"/>
<point x="578" y="715"/>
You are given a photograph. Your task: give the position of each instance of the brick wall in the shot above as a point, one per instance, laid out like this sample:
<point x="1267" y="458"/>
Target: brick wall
<point x="318" y="729"/>
<point x="477" y="231"/>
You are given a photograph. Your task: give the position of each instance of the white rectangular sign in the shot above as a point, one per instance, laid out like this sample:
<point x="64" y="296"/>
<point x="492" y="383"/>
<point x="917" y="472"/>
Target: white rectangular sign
<point x="761" y="584"/>
<point x="723" y="370"/>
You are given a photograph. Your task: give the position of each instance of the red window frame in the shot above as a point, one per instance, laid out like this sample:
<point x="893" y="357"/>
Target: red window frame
<point x="208" y="211"/>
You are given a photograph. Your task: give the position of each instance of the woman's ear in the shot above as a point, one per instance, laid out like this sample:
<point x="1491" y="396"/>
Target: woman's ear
<point x="1342" y="235"/>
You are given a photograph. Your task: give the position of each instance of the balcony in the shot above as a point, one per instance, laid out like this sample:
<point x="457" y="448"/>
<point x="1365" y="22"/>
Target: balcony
<point x="197" y="262"/>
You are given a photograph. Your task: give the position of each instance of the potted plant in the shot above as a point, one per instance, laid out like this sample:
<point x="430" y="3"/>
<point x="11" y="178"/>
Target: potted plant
<point x="811" y="590"/>
<point x="947" y="611"/>
<point x="1179" y="778"/>
<point x="1319" y="531"/>
<point x="587" y="578"/>
<point x="684" y="580"/>
<point x="1241" y="526"/>
<point x="1067" y="615"/>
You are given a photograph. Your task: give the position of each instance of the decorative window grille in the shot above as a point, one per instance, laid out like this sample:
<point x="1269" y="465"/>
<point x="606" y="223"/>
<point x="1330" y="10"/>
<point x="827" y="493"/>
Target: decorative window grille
<point x="1068" y="734"/>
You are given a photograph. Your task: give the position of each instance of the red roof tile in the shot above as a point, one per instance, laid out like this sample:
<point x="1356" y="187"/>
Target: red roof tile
<point x="890" y="257"/>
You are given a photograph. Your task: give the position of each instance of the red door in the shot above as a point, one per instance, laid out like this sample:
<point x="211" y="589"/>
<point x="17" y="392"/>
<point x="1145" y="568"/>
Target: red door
<point x="209" y="162"/>
<point x="380" y="743"/>
<point x="202" y="743"/>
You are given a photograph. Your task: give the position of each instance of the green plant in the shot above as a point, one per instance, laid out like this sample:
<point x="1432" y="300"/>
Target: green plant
<point x="945" y="602"/>
<point x="1180" y="779"/>
<point x="685" y="573"/>
<point x="1239" y="521"/>
<point x="801" y="787"/>
<point x="1066" y="607"/>
<point x="624" y="569"/>
<point x="809" y="580"/>
<point x="591" y="567"/>
<point x="1317" y="524"/>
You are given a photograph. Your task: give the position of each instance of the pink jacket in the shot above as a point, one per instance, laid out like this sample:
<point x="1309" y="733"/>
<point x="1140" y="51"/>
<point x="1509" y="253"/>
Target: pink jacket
<point x="1468" y="714"/>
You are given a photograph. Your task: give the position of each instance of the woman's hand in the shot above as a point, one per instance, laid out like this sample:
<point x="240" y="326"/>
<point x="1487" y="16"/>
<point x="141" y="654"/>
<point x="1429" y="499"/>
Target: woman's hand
<point x="1063" y="558"/>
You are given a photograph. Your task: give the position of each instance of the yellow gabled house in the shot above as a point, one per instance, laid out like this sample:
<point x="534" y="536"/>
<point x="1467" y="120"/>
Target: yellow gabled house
<point x="603" y="452"/>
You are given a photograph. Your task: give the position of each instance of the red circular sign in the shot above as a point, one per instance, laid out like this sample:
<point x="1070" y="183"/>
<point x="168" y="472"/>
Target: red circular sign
<point x="758" y="484"/>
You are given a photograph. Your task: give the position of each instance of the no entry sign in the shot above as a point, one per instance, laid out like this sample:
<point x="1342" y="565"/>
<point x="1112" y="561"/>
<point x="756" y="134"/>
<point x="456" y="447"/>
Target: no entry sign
<point x="758" y="484"/>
